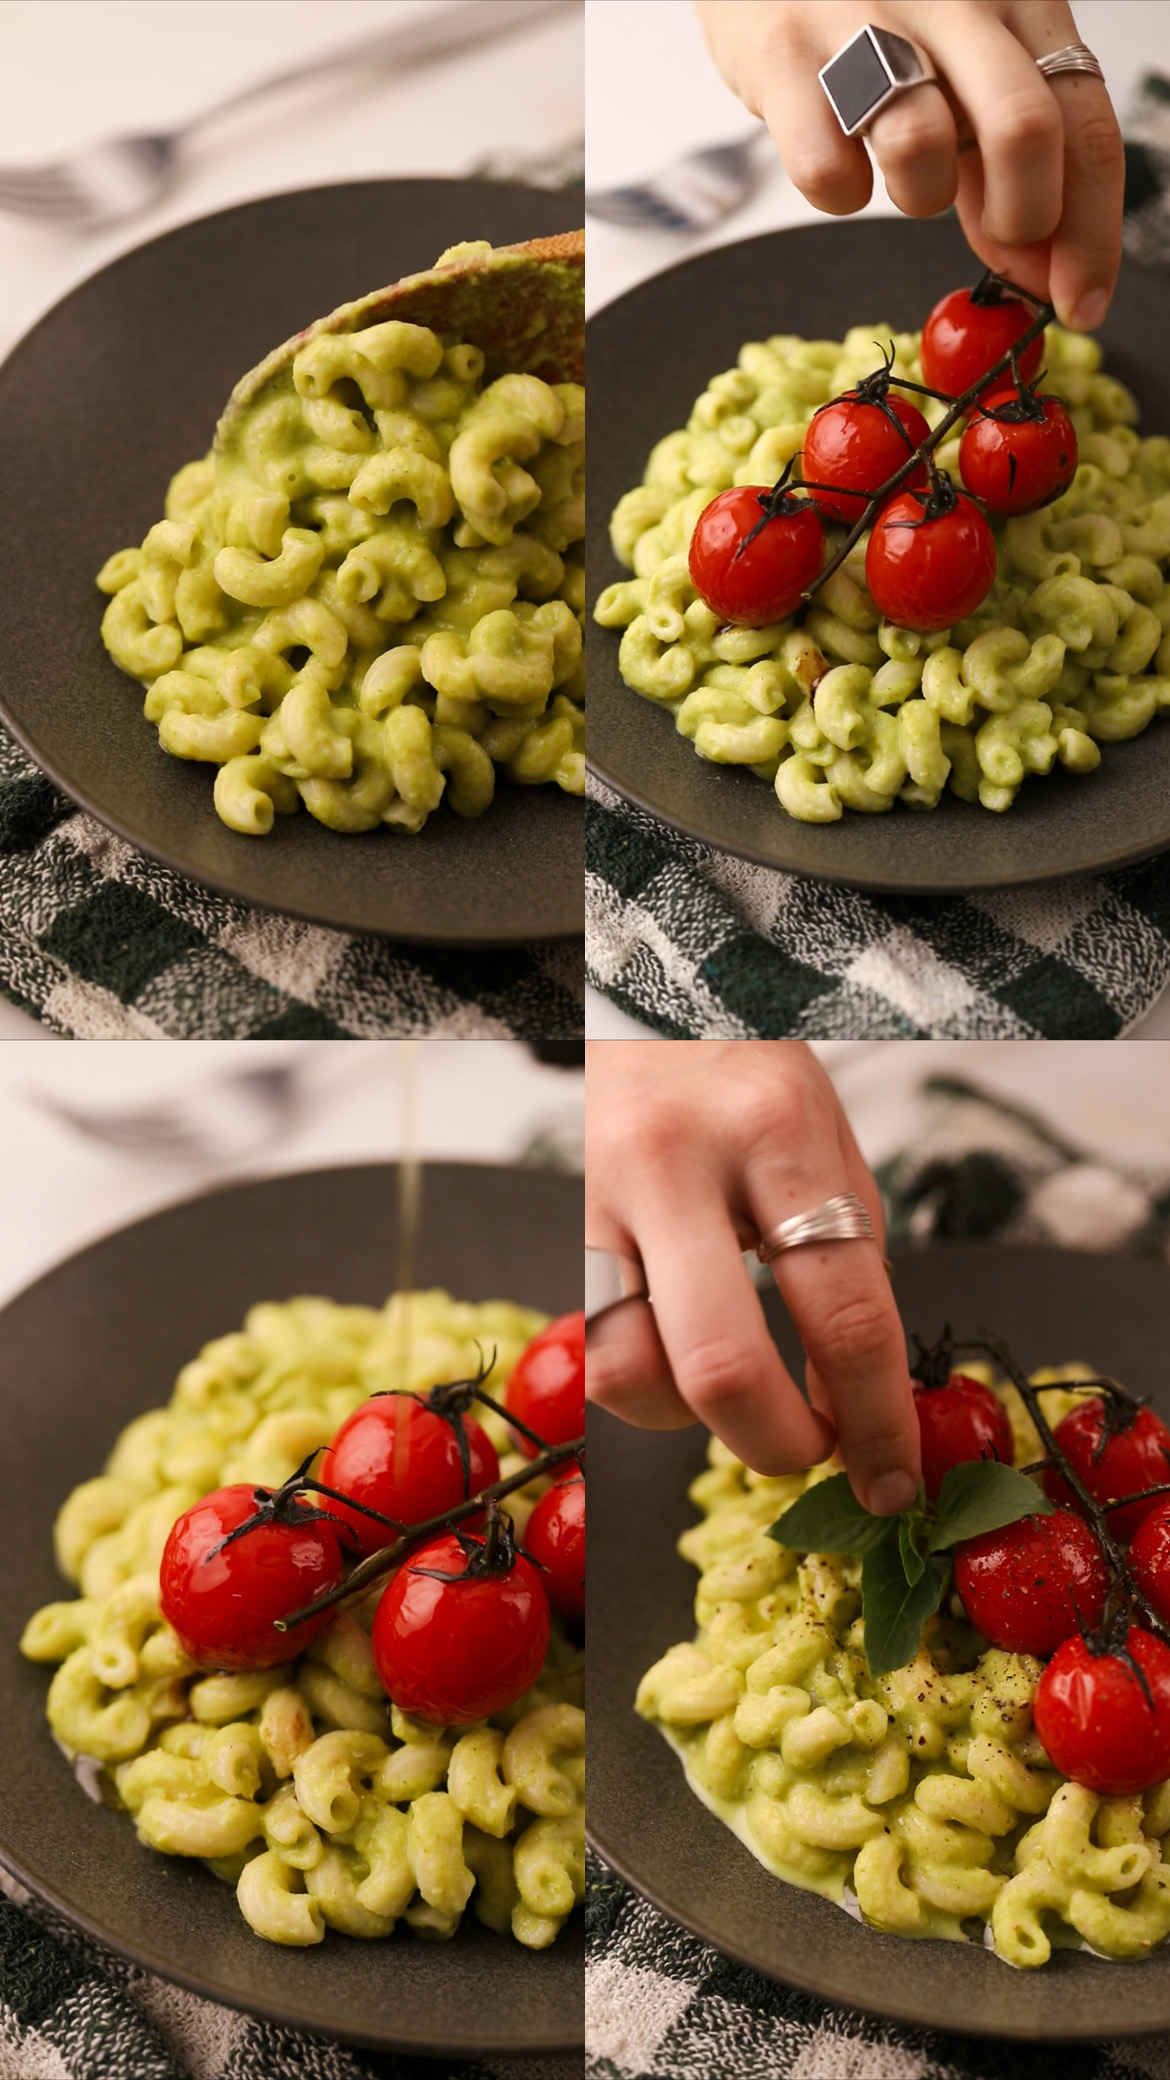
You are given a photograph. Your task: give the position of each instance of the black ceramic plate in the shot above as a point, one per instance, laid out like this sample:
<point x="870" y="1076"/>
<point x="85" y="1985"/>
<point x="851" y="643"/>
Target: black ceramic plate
<point x="98" y="1341"/>
<point x="99" y="405"/>
<point x="650" y="354"/>
<point x="1048" y="1307"/>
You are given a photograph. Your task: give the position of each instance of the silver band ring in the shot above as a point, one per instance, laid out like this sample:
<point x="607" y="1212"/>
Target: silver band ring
<point x="869" y="72"/>
<point x="1071" y="57"/>
<point x="843" y="1219"/>
<point x="611" y="1278"/>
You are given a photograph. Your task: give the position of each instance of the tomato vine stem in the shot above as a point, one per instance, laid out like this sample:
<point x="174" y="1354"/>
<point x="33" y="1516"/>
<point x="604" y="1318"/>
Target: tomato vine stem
<point x="387" y="1557"/>
<point x="924" y="452"/>
<point x="1094" y="1512"/>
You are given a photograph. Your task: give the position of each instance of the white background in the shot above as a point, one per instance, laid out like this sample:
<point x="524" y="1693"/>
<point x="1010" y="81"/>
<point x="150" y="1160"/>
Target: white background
<point x="474" y="1101"/>
<point x="653" y="93"/>
<point x="75" y="71"/>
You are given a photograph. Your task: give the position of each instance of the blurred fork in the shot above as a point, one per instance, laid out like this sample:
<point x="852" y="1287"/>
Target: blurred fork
<point x="107" y="182"/>
<point x="693" y="192"/>
<point x="219" y="1124"/>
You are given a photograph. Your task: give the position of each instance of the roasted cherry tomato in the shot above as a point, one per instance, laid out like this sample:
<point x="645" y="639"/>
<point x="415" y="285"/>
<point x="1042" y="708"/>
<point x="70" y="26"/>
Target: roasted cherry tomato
<point x="452" y="1645"/>
<point x="963" y="1420"/>
<point x="1133" y="1456"/>
<point x="927" y="570"/>
<point x="398" y="1456"/>
<point x="1148" y="1558"/>
<point x="555" y="1537"/>
<point x="854" y="443"/>
<point x="1096" y="1721"/>
<point x="766" y="582"/>
<point x="1031" y="1584"/>
<point x="547" y="1386"/>
<point x="222" y="1603"/>
<point x="962" y="338"/>
<point x="1018" y="464"/>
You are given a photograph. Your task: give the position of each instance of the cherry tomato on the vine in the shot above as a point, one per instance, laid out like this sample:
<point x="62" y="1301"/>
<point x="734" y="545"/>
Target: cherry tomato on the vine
<point x="555" y="1537"/>
<point x="852" y="442"/>
<point x="1017" y="465"/>
<point x="926" y="573"/>
<point x="222" y="1604"/>
<point x="962" y="1420"/>
<point x="766" y="582"/>
<point x="547" y="1385"/>
<point x="1095" y="1720"/>
<point x="1148" y="1558"/>
<point x="963" y="338"/>
<point x="397" y="1456"/>
<point x="458" y="1649"/>
<point x="1134" y="1457"/>
<point x="1027" y="1586"/>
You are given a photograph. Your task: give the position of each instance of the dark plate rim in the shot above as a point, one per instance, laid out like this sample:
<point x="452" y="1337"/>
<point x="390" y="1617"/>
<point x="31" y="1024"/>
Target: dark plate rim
<point x="164" y="1968"/>
<point x="883" y="2001"/>
<point x="319" y="913"/>
<point x="906" y="884"/>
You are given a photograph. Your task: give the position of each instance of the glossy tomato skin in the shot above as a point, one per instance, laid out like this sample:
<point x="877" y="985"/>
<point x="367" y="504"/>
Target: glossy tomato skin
<point x="963" y="1420"/>
<point x="928" y="577"/>
<point x="766" y="582"/>
<point x="1148" y="1558"/>
<point x="1095" y="1721"/>
<point x="1016" y="466"/>
<point x="453" y="1652"/>
<point x="223" y="1609"/>
<point x="403" y="1459"/>
<point x="1023" y="1586"/>
<point x="556" y="1538"/>
<point x="852" y="443"/>
<point x="961" y="340"/>
<point x="1130" y="1460"/>
<point x="547" y="1386"/>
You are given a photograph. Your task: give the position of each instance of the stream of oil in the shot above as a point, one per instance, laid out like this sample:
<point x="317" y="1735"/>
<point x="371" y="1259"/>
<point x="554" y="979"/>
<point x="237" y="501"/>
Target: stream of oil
<point x="409" y="1217"/>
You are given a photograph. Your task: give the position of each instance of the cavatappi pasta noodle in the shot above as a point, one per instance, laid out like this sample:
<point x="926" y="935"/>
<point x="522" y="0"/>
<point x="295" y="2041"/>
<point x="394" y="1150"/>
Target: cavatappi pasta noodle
<point x="923" y="1799"/>
<point x="367" y="598"/>
<point x="1070" y="650"/>
<point x="303" y="1786"/>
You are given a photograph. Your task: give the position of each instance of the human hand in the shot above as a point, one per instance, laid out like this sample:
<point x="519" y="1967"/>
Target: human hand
<point x="1035" y="166"/>
<point x="696" y="1150"/>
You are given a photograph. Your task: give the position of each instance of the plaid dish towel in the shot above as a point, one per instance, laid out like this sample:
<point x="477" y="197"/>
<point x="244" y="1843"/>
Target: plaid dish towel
<point x="656" y="1998"/>
<point x="99" y="942"/>
<point x="701" y="945"/>
<point x="70" y="2010"/>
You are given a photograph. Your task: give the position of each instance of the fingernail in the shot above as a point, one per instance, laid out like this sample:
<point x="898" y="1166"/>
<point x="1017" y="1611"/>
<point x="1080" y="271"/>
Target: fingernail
<point x="890" y="1493"/>
<point x="1088" y="313"/>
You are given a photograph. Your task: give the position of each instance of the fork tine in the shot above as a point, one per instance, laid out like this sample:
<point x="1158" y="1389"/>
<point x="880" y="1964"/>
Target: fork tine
<point x="40" y="180"/>
<point x="20" y="201"/>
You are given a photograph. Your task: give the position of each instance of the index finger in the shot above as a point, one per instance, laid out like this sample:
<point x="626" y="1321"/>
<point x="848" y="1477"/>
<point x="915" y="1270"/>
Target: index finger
<point x="722" y="1357"/>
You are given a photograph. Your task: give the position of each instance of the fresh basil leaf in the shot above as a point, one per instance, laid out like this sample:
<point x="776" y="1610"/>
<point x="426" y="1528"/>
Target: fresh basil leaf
<point x="981" y="1495"/>
<point x="828" y="1518"/>
<point x="912" y="1530"/>
<point x="894" y="1609"/>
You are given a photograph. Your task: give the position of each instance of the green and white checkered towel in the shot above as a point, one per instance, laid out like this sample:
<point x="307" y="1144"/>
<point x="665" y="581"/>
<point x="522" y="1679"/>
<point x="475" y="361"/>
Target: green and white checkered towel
<point x="701" y="945"/>
<point x="659" y="2001"/>
<point x="70" y="2010"/>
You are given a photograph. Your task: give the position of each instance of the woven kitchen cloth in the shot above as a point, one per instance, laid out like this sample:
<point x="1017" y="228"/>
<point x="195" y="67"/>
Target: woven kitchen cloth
<point x="659" y="2003"/>
<point x="101" y="943"/>
<point x="70" y="2010"/>
<point x="701" y="945"/>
